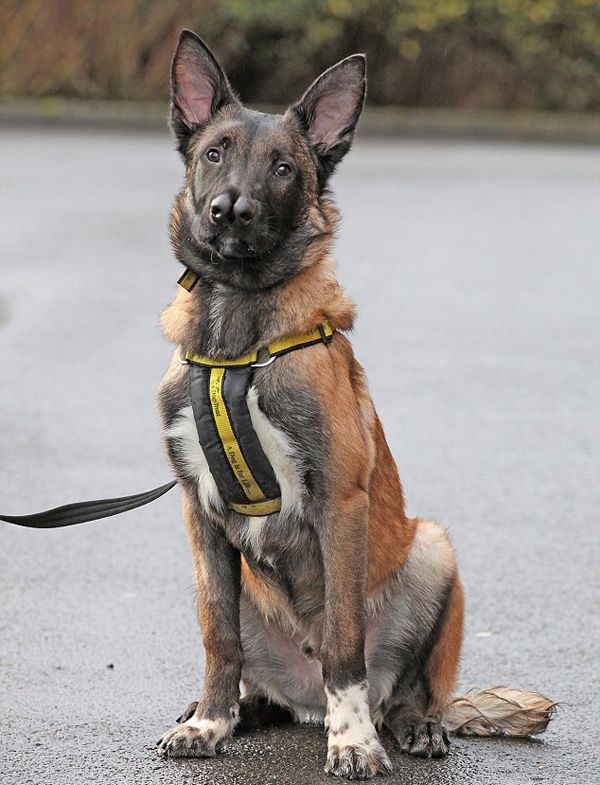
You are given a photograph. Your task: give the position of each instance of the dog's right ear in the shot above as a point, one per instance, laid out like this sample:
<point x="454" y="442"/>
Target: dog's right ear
<point x="199" y="88"/>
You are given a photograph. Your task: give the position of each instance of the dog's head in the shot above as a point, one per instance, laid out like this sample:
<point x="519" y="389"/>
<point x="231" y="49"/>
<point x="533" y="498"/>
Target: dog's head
<point x="253" y="181"/>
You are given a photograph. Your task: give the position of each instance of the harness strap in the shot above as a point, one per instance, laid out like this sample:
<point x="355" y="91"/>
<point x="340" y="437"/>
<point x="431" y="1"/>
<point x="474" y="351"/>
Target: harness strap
<point x="323" y="333"/>
<point x="80" y="512"/>
<point x="237" y="462"/>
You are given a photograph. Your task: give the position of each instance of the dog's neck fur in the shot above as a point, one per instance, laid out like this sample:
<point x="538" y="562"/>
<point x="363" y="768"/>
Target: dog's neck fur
<point x="224" y="321"/>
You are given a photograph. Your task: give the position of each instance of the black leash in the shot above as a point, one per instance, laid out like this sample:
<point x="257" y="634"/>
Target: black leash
<point x="80" y="512"/>
<point x="216" y="397"/>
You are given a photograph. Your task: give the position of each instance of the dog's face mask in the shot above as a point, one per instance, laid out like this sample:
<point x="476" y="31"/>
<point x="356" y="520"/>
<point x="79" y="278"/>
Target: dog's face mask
<point x="244" y="217"/>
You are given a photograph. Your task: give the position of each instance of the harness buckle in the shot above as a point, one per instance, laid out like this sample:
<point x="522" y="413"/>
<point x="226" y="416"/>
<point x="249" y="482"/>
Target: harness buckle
<point x="183" y="360"/>
<point x="324" y="337"/>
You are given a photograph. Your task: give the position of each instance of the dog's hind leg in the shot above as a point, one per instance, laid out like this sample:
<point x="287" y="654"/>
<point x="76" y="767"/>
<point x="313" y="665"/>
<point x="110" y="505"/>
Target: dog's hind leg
<point x="428" y="623"/>
<point x="416" y="717"/>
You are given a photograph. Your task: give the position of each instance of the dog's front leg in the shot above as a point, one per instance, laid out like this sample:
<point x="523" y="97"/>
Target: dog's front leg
<point x="354" y="749"/>
<point x="217" y="566"/>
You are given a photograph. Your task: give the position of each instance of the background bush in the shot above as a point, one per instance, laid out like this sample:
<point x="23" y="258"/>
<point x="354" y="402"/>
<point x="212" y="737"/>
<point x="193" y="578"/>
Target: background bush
<point x="469" y="53"/>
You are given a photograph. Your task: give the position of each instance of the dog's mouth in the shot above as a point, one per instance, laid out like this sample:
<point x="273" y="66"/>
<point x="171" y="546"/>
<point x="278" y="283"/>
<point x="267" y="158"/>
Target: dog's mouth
<point x="231" y="249"/>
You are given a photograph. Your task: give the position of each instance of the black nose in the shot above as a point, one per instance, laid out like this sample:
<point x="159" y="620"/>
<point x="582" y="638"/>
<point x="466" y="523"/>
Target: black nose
<point x="243" y="210"/>
<point x="220" y="208"/>
<point x="238" y="210"/>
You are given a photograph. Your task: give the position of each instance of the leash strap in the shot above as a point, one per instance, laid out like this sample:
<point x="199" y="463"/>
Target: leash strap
<point x="80" y="512"/>
<point x="237" y="462"/>
<point x="242" y="471"/>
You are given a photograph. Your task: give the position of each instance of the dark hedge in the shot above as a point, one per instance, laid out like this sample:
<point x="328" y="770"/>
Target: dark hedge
<point x="466" y="53"/>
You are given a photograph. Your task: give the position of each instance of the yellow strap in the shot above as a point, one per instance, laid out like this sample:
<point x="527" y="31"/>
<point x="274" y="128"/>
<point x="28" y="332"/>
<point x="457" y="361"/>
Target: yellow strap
<point x="274" y="349"/>
<point x="219" y="362"/>
<point x="285" y="344"/>
<point x="258" y="508"/>
<point x="230" y="443"/>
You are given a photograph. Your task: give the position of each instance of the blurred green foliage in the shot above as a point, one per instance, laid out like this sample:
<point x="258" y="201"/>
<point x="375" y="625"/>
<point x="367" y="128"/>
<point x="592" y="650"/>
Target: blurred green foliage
<point x="471" y="53"/>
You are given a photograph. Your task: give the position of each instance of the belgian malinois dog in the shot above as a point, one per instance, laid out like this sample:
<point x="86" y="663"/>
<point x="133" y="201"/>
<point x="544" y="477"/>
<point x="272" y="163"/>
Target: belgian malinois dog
<point x="329" y="603"/>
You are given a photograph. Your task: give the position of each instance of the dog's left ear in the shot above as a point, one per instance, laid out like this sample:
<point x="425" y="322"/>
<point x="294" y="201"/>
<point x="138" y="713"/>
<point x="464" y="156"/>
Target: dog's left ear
<point x="329" y="110"/>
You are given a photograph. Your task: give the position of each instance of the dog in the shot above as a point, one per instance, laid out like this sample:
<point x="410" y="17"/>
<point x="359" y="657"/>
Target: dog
<point x="332" y="606"/>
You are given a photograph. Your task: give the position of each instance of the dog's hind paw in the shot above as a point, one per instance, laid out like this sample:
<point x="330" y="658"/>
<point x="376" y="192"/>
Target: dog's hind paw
<point x="195" y="739"/>
<point x="424" y="740"/>
<point x="357" y="761"/>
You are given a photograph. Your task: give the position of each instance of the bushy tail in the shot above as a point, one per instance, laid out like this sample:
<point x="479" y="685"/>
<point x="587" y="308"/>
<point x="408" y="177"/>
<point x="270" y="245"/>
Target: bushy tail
<point x="499" y="711"/>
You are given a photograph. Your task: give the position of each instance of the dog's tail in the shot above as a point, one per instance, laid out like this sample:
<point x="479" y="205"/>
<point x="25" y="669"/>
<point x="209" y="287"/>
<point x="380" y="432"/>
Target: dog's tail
<point x="499" y="711"/>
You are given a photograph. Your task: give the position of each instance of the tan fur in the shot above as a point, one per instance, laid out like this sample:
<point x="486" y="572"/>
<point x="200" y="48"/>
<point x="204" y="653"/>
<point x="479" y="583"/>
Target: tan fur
<point x="191" y="527"/>
<point x="360" y="456"/>
<point x="315" y="294"/>
<point x="390" y="533"/>
<point x="442" y="667"/>
<point x="270" y="601"/>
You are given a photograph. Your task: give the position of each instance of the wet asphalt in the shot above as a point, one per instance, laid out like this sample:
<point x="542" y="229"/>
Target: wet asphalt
<point x="476" y="269"/>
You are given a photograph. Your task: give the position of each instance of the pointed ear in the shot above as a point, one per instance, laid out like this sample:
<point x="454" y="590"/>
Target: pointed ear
<point x="329" y="110"/>
<point x="198" y="87"/>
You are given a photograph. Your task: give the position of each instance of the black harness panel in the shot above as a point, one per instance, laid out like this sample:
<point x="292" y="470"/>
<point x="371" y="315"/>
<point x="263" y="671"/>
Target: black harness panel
<point x="237" y="462"/>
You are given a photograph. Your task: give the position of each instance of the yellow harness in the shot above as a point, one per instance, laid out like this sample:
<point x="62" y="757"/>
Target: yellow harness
<point x="218" y="390"/>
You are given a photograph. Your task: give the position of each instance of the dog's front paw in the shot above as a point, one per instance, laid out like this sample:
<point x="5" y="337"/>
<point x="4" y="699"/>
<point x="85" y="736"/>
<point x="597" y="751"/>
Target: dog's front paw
<point x="195" y="739"/>
<point x="358" y="761"/>
<point x="355" y="751"/>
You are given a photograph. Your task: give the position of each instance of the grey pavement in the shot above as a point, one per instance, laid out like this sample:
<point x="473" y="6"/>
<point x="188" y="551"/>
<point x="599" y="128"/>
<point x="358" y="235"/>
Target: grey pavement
<point x="476" y="269"/>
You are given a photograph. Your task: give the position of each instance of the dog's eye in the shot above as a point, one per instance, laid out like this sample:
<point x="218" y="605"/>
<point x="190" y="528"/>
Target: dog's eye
<point x="283" y="170"/>
<point x="213" y="155"/>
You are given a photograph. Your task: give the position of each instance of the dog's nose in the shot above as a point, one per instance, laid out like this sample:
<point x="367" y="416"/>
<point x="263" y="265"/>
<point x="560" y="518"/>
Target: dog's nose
<point x="228" y="207"/>
<point x="220" y="208"/>
<point x="243" y="210"/>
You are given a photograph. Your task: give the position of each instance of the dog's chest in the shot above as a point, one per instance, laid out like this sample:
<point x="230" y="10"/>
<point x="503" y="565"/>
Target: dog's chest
<point x="187" y="453"/>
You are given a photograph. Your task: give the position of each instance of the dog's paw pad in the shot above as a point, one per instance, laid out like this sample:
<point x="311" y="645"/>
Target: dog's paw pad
<point x="358" y="761"/>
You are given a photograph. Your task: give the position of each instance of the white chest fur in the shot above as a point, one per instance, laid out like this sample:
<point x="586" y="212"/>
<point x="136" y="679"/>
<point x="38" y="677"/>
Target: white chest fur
<point x="183" y="438"/>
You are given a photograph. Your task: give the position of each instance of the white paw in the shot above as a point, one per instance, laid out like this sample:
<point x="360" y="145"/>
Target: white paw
<point x="354" y="751"/>
<point x="195" y="738"/>
<point x="358" y="761"/>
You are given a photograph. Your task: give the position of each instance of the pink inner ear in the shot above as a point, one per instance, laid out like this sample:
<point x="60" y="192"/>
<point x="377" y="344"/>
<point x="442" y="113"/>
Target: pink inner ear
<point x="332" y="114"/>
<point x="195" y="93"/>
